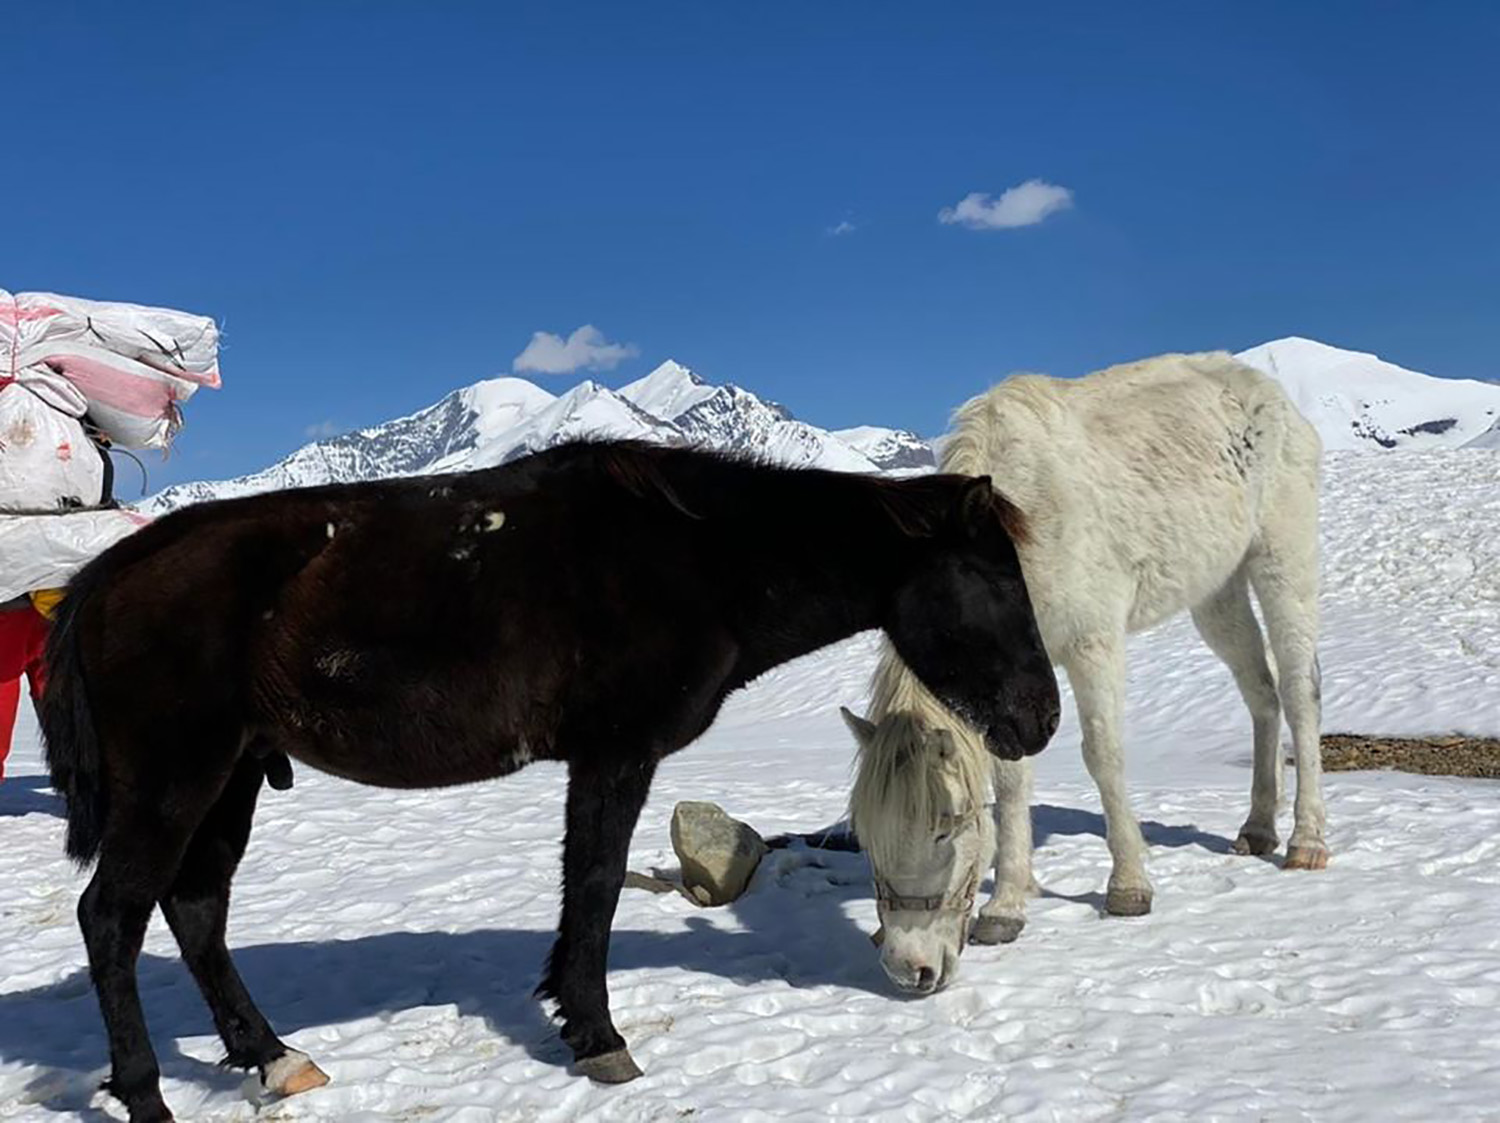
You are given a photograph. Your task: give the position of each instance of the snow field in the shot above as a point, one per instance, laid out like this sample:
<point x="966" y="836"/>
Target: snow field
<point x="396" y="936"/>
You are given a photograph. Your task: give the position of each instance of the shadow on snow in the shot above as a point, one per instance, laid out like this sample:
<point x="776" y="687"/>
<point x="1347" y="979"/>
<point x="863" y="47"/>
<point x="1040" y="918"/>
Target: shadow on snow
<point x="795" y="930"/>
<point x="28" y="795"/>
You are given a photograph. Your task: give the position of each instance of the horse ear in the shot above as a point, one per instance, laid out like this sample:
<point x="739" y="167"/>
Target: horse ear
<point x="862" y="728"/>
<point x="976" y="505"/>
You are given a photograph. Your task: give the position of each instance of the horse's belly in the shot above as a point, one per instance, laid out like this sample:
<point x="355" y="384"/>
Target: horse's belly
<point x="1166" y="572"/>
<point x="1165" y="590"/>
<point x="396" y="762"/>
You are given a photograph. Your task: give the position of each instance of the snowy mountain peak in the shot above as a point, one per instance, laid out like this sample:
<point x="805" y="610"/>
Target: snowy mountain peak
<point x="1357" y="400"/>
<point x="500" y="419"/>
<point x="496" y="393"/>
<point x="1304" y="358"/>
<point x="668" y="391"/>
<point x="583" y="391"/>
<point x="1309" y="353"/>
<point x="890" y="448"/>
<point x="499" y="403"/>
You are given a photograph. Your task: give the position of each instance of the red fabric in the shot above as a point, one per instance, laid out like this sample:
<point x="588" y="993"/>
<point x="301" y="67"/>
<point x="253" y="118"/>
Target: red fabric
<point x="23" y="637"/>
<point x="10" y="701"/>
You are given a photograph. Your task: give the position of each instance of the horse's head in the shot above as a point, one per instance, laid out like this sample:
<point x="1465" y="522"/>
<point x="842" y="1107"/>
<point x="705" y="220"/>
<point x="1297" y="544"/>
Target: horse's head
<point x="918" y="807"/>
<point x="963" y="621"/>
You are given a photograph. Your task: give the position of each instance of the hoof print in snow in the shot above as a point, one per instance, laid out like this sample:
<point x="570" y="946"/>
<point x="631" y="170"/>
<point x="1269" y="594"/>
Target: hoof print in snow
<point x="718" y="854"/>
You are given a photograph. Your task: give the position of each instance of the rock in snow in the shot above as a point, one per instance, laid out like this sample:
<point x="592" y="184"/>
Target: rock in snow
<point x="718" y="854"/>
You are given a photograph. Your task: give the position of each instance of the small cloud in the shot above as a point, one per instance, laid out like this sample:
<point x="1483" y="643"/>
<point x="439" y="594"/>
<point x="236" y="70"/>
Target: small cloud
<point x="844" y="227"/>
<point x="322" y="430"/>
<point x="1025" y="205"/>
<point x="585" y="349"/>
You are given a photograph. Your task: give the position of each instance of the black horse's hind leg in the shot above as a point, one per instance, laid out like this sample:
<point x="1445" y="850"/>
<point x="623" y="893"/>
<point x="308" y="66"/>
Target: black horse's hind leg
<point x="604" y="801"/>
<point x="142" y="849"/>
<point x="197" y="909"/>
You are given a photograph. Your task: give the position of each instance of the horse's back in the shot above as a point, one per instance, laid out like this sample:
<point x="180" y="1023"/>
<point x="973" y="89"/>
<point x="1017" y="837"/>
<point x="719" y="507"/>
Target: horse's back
<point x="1146" y="484"/>
<point x="1191" y="398"/>
<point x="402" y="633"/>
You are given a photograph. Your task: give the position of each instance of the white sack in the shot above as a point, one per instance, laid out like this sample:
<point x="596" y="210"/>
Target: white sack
<point x="133" y="364"/>
<point x="46" y="459"/>
<point x="44" y="551"/>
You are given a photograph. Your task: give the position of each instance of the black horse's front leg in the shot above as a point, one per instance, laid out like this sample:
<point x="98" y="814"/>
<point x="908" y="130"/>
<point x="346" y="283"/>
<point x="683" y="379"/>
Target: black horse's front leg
<point x="604" y="801"/>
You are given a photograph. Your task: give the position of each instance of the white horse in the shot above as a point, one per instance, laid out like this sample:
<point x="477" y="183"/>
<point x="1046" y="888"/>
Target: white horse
<point x="1179" y="482"/>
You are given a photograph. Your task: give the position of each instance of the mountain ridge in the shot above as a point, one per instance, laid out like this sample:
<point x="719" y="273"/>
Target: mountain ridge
<point x="497" y="420"/>
<point x="1355" y="399"/>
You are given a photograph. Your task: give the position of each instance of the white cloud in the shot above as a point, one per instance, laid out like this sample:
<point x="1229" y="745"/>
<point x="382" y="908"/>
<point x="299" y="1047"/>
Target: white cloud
<point x="1025" y="205"/>
<point x="844" y="227"/>
<point x="585" y="349"/>
<point x="322" y="430"/>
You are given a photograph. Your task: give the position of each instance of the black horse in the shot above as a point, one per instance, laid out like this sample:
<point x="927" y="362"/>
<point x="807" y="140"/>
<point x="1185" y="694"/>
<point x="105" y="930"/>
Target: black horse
<point x="592" y="604"/>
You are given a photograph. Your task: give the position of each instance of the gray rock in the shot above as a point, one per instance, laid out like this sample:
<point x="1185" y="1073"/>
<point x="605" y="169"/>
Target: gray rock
<point x="718" y="854"/>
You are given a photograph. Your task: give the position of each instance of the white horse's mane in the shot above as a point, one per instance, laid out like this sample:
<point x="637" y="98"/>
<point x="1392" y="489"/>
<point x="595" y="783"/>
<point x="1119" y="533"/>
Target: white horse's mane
<point x="900" y="779"/>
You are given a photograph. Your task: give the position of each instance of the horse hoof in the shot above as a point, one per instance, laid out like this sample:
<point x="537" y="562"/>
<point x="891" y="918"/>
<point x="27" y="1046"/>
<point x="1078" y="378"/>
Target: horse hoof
<point x="1306" y="858"/>
<point x="996" y="929"/>
<point x="1127" y="902"/>
<point x="1255" y="845"/>
<point x="292" y="1073"/>
<point x="610" y="1068"/>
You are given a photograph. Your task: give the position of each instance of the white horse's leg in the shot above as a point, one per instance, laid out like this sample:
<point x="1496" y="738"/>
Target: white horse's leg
<point x="1096" y="668"/>
<point x="1002" y="917"/>
<point x="1286" y="583"/>
<point x="1227" y="624"/>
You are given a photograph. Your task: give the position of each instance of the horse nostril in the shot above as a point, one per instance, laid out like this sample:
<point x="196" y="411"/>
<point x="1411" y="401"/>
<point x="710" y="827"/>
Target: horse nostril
<point x="926" y="978"/>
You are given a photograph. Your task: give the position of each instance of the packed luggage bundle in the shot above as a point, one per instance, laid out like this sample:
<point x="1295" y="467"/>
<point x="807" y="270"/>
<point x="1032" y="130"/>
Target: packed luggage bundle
<point x="76" y="375"/>
<point x="47" y="461"/>
<point x="128" y="366"/>
<point x="44" y="551"/>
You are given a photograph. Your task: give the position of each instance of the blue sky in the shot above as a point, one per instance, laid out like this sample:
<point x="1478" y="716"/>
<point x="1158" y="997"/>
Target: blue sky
<point x="382" y="202"/>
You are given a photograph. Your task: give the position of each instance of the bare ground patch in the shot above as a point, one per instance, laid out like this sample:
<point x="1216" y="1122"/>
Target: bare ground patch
<point x="1430" y="756"/>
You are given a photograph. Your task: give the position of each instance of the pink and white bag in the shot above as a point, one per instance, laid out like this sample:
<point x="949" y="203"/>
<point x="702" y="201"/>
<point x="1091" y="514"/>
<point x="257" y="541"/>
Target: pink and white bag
<point x="132" y="364"/>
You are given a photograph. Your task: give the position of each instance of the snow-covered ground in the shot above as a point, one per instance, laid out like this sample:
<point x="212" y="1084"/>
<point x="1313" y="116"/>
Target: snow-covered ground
<point x="396" y="936"/>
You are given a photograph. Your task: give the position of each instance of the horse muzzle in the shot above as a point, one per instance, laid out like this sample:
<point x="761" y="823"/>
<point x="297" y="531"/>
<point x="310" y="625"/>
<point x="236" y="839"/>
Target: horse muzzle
<point x="1027" y="720"/>
<point x="1023" y="732"/>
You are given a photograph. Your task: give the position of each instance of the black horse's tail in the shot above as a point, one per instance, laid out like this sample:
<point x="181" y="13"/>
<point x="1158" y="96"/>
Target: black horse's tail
<point x="68" y="726"/>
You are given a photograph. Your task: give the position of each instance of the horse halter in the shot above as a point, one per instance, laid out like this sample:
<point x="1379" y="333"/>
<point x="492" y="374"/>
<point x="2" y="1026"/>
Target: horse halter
<point x="961" y="902"/>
